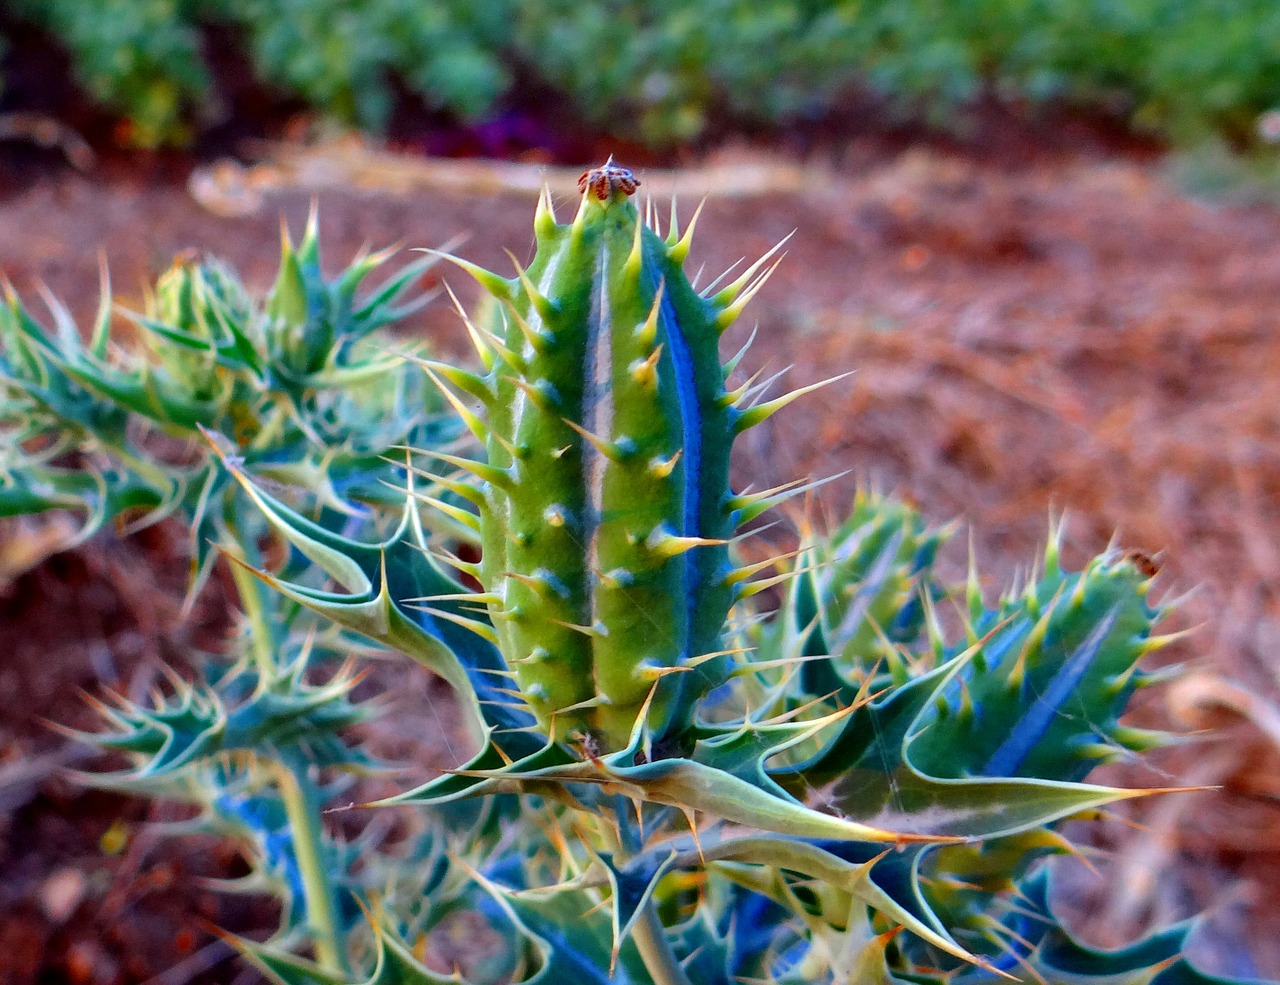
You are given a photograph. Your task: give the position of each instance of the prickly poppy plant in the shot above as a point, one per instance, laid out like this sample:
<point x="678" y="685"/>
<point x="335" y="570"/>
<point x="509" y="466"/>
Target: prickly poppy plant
<point x="669" y="783"/>
<point x="291" y="384"/>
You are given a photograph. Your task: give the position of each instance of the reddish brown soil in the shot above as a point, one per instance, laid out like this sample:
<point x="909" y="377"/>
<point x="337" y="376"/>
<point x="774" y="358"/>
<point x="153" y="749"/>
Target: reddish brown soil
<point x="1070" y="333"/>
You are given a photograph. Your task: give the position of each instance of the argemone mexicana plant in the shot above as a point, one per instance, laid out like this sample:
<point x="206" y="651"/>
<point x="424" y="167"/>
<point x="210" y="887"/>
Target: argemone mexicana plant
<point x="669" y="783"/>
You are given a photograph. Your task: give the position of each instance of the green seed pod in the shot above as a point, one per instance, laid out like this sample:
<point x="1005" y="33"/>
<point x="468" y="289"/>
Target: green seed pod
<point x="858" y="595"/>
<point x="198" y="297"/>
<point x="187" y="294"/>
<point x="606" y="507"/>
<point x="1042" y="695"/>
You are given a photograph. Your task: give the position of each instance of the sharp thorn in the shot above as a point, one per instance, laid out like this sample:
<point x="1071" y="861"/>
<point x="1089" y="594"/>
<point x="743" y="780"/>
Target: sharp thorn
<point x="762" y="412"/>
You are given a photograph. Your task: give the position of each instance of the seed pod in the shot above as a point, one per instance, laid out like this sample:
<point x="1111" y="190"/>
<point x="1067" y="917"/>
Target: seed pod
<point x="606" y="502"/>
<point x="1042" y="695"/>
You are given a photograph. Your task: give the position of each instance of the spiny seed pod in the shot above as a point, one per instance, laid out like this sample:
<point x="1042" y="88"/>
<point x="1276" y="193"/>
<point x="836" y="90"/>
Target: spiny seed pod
<point x="858" y="595"/>
<point x="198" y="297"/>
<point x="1042" y="694"/>
<point x="605" y="507"/>
<point x="197" y="293"/>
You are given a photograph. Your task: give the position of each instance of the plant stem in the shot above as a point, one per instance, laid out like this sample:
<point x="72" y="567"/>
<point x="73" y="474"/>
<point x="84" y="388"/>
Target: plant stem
<point x="655" y="950"/>
<point x="261" y="641"/>
<point x="302" y="805"/>
<point x="648" y="932"/>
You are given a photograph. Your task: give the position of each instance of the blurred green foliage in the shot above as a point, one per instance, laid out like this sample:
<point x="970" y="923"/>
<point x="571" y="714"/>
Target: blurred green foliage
<point x="140" y="58"/>
<point x="146" y="59"/>
<point x="340" y="56"/>
<point x="661" y="70"/>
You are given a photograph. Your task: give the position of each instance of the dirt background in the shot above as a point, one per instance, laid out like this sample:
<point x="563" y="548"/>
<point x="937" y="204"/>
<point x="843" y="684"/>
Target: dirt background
<point x="1033" y="328"/>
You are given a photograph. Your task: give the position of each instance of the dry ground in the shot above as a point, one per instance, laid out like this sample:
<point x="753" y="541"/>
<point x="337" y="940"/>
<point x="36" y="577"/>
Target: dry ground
<point x="1068" y="333"/>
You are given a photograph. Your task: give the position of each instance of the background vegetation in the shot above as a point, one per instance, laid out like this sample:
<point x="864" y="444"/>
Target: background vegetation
<point x="662" y="71"/>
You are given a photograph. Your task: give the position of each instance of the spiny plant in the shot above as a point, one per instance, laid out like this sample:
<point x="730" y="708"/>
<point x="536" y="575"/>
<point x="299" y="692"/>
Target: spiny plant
<point x="291" y="384"/>
<point x="300" y="388"/>
<point x="669" y="784"/>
